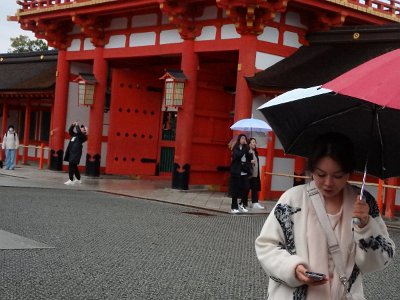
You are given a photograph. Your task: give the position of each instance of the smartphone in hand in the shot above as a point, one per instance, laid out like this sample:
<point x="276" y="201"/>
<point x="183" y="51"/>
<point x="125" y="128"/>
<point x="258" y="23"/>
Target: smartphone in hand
<point x="315" y="276"/>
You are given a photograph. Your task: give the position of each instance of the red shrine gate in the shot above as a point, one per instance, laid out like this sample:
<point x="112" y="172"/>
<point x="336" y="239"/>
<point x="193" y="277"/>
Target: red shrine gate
<point x="141" y="137"/>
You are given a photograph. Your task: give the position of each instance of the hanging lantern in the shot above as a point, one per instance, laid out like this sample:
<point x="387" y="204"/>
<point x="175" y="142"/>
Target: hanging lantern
<point x="86" y="88"/>
<point x="173" y="88"/>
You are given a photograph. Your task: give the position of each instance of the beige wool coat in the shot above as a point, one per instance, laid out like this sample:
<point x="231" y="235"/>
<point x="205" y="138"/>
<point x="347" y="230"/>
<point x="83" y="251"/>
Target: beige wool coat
<point x="284" y="243"/>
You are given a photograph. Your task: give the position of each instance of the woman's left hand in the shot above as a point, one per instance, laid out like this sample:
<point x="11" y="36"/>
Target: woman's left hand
<point x="361" y="211"/>
<point x="301" y="276"/>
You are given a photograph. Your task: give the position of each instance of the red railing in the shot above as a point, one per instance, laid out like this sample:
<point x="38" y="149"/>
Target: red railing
<point x="385" y="6"/>
<point x="31" y="4"/>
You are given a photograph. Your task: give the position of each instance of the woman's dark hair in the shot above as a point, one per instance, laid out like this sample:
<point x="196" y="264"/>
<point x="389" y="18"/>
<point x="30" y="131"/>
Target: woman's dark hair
<point x="237" y="144"/>
<point x="255" y="149"/>
<point x="336" y="146"/>
<point x="11" y="126"/>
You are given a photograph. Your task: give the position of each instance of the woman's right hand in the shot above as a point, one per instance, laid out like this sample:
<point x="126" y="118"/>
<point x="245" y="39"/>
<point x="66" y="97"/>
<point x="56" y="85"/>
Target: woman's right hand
<point x="301" y="276"/>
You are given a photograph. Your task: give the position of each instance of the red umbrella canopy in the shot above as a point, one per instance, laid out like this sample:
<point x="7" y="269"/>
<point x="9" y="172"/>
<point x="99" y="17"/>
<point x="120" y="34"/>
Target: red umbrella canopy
<point x="376" y="81"/>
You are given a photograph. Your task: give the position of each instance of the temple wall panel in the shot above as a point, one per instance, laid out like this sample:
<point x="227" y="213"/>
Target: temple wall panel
<point x="76" y="113"/>
<point x="87" y="44"/>
<point x="228" y="31"/>
<point x="170" y="37"/>
<point x="291" y="39"/>
<point x="103" y="158"/>
<point x="283" y="166"/>
<point x="257" y="102"/>
<point x="142" y="39"/>
<point x="116" y="41"/>
<point x="75" y="45"/>
<point x="208" y="33"/>
<point x="270" y="34"/>
<point x="265" y="60"/>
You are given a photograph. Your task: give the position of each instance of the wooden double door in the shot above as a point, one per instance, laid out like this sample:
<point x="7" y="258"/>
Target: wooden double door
<point x="135" y="123"/>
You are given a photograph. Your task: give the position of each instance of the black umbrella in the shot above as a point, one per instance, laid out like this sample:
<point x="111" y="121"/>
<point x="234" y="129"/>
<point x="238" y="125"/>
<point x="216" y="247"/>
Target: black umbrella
<point x="299" y="116"/>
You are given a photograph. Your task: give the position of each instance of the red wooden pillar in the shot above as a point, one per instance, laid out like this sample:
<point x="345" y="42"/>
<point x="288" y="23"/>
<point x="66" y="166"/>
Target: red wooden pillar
<point x="184" y="130"/>
<point x="246" y="67"/>
<point x="379" y="197"/>
<point x="390" y="199"/>
<point x="26" y="133"/>
<point x="57" y="134"/>
<point x="269" y="166"/>
<point x="95" y="130"/>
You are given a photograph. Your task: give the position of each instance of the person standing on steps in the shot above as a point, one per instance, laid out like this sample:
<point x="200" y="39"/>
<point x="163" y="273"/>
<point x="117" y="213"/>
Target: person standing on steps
<point x="10" y="145"/>
<point x="254" y="180"/>
<point x="73" y="153"/>
<point x="240" y="170"/>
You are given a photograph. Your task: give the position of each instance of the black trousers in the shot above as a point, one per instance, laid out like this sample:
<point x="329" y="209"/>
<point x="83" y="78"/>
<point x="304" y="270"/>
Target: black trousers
<point x="73" y="170"/>
<point x="254" y="189"/>
<point x="239" y="189"/>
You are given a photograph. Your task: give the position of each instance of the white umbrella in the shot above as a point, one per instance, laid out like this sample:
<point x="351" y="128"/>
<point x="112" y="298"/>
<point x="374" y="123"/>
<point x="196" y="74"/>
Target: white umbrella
<point x="296" y="94"/>
<point x="251" y="125"/>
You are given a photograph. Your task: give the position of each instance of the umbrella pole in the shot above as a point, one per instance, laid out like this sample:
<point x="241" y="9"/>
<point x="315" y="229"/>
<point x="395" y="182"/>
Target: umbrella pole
<point x="357" y="221"/>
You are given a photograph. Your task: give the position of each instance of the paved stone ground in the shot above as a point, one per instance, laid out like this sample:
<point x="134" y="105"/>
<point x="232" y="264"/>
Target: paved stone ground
<point x="115" y="247"/>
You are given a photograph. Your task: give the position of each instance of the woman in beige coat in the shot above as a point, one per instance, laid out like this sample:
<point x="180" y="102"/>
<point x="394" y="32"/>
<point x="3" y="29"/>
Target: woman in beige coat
<point x="293" y="242"/>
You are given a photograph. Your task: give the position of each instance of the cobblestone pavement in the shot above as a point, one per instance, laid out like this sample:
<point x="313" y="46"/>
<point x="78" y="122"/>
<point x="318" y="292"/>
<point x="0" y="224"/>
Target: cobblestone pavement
<point x="116" y="247"/>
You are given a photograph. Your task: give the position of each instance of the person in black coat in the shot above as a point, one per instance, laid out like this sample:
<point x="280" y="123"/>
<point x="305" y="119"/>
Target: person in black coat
<point x="240" y="171"/>
<point x="73" y="153"/>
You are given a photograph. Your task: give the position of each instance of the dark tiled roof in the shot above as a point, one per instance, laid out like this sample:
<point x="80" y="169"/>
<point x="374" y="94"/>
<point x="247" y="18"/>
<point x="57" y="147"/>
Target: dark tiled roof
<point x="28" y="71"/>
<point x="329" y="55"/>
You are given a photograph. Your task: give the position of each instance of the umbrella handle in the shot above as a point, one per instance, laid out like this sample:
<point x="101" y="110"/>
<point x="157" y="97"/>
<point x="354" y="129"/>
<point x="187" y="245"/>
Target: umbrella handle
<point x="357" y="221"/>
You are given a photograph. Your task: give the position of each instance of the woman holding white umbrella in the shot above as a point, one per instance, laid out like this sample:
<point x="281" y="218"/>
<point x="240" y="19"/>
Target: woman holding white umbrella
<point x="240" y="171"/>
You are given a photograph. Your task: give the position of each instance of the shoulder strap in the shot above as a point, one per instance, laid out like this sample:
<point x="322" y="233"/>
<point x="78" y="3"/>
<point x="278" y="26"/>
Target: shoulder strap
<point x="333" y="244"/>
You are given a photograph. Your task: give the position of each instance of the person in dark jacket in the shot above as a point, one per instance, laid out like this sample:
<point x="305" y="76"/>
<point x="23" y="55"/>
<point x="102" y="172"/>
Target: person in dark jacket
<point x="255" y="182"/>
<point x="240" y="171"/>
<point x="73" y="153"/>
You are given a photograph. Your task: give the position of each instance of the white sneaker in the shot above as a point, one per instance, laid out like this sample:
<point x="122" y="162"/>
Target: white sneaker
<point x="258" y="206"/>
<point x="242" y="208"/>
<point x="78" y="181"/>
<point x="69" y="182"/>
<point x="234" y="211"/>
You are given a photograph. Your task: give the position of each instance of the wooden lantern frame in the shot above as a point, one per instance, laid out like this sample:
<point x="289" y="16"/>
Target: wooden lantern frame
<point x="86" y="89"/>
<point x="174" y="87"/>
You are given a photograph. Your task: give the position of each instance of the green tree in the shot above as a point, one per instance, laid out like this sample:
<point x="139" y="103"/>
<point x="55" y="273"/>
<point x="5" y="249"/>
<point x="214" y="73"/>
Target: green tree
<point x="23" y="43"/>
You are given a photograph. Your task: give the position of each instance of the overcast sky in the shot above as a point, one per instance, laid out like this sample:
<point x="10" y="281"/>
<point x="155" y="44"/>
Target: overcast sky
<point x="9" y="29"/>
